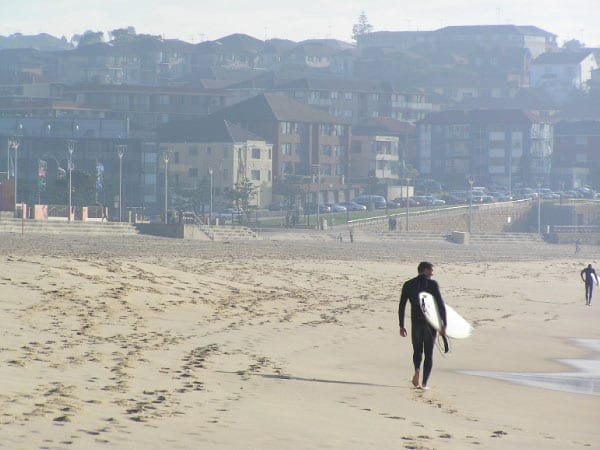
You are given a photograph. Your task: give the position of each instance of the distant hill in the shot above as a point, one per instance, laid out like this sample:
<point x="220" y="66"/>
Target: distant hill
<point x="42" y="42"/>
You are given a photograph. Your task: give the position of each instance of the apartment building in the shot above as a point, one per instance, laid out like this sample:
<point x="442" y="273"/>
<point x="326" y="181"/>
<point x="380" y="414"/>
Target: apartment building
<point x="576" y="157"/>
<point x="217" y="152"/>
<point x="493" y="147"/>
<point x="307" y="142"/>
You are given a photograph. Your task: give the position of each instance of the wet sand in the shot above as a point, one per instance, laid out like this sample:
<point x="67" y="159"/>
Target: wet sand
<point x="285" y="343"/>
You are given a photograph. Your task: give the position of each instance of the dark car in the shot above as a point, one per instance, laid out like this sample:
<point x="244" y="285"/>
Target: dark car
<point x="375" y="201"/>
<point x="401" y="202"/>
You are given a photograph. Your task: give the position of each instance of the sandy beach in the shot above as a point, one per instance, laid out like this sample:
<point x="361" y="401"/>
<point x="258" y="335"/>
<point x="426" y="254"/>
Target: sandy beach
<point x="290" y="342"/>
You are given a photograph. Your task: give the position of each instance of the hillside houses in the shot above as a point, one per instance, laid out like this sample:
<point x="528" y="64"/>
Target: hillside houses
<point x="449" y="103"/>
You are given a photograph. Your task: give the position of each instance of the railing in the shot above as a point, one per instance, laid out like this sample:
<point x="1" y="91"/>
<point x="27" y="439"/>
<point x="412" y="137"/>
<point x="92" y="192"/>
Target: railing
<point x="575" y="229"/>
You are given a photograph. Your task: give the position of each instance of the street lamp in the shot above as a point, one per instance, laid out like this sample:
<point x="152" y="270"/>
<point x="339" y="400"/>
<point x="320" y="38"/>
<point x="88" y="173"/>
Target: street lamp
<point x="539" y="208"/>
<point x="471" y="181"/>
<point x="121" y="151"/>
<point x="407" y="202"/>
<point x="70" y="149"/>
<point x="210" y="172"/>
<point x="318" y="167"/>
<point x="166" y="161"/>
<point x="14" y="143"/>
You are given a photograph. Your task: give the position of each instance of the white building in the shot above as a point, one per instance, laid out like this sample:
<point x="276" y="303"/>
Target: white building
<point x="561" y="73"/>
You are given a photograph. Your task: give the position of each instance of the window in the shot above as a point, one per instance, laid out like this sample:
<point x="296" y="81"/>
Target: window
<point x="193" y="172"/>
<point x="208" y="151"/>
<point x="255" y="175"/>
<point x="286" y="149"/>
<point x="348" y="95"/>
<point x="327" y="150"/>
<point x="339" y="150"/>
<point x="334" y="94"/>
<point x="298" y="94"/>
<point x="286" y="167"/>
<point x="256" y="153"/>
<point x="289" y="127"/>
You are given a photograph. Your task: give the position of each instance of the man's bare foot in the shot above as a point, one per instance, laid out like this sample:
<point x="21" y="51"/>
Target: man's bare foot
<point x="415" y="379"/>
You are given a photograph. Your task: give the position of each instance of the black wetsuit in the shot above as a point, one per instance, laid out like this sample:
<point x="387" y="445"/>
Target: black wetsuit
<point x="588" y="275"/>
<point x="423" y="335"/>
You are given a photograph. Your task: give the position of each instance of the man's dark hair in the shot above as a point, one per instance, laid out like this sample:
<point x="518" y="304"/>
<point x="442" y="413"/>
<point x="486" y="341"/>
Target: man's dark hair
<point x="424" y="265"/>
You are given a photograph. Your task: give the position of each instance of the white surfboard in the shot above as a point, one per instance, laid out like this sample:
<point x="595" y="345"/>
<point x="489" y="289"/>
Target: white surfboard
<point x="456" y="327"/>
<point x="595" y="278"/>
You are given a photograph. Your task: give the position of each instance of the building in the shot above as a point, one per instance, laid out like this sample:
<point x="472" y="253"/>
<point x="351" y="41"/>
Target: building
<point x="576" y="157"/>
<point x="146" y="107"/>
<point x="213" y="151"/>
<point x="356" y="101"/>
<point x="383" y="149"/>
<point x="307" y="142"/>
<point x="534" y="39"/>
<point x="492" y="147"/>
<point x="42" y="162"/>
<point x="560" y="74"/>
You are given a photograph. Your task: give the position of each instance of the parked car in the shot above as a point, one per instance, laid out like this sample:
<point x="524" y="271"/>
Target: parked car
<point x="312" y="208"/>
<point x="483" y="198"/>
<point x="500" y="196"/>
<point x="376" y="201"/>
<point x="401" y="202"/>
<point x="429" y="200"/>
<point x="456" y="198"/>
<point x="336" y="207"/>
<point x="353" y="206"/>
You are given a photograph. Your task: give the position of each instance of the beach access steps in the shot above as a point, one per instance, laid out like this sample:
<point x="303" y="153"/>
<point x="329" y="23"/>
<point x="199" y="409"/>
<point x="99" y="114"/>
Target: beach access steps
<point x="228" y="233"/>
<point x="18" y="226"/>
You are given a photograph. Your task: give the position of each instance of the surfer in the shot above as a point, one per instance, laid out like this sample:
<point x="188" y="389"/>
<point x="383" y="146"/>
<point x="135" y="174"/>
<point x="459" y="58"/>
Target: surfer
<point x="422" y="334"/>
<point x="589" y="277"/>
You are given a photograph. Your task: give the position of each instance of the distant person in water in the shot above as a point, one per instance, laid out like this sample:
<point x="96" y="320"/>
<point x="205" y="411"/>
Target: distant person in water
<point x="589" y="277"/>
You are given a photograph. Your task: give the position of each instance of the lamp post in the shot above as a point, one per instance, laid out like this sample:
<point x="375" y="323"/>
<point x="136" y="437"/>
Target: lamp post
<point x="318" y="167"/>
<point x="70" y="150"/>
<point x="407" y="202"/>
<point x="539" y="208"/>
<point x="166" y="161"/>
<point x="210" y="173"/>
<point x="14" y="143"/>
<point x="471" y="181"/>
<point x="120" y="153"/>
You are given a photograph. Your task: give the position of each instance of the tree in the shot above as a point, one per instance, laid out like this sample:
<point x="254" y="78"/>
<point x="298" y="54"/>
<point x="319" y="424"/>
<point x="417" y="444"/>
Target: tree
<point x="241" y="195"/>
<point x="122" y="34"/>
<point x="87" y="38"/>
<point x="362" y="27"/>
<point x="573" y="45"/>
<point x="293" y="190"/>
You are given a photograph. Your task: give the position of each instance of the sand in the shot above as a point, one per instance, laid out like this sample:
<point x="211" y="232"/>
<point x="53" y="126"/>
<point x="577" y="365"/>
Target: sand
<point x="286" y="343"/>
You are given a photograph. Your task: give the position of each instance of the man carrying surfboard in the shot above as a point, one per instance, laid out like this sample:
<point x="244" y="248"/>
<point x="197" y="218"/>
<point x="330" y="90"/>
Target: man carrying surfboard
<point x="423" y="335"/>
<point x="589" y="277"/>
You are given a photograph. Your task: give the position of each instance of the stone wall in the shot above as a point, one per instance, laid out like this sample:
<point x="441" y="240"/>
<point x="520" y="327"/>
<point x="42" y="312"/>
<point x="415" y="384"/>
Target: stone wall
<point x="488" y="218"/>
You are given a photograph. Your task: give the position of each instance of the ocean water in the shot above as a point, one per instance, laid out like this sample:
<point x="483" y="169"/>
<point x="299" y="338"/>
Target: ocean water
<point x="583" y="379"/>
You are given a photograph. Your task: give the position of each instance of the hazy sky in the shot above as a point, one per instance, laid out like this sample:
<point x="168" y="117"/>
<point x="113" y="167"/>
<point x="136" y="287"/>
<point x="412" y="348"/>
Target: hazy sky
<point x="197" y="20"/>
